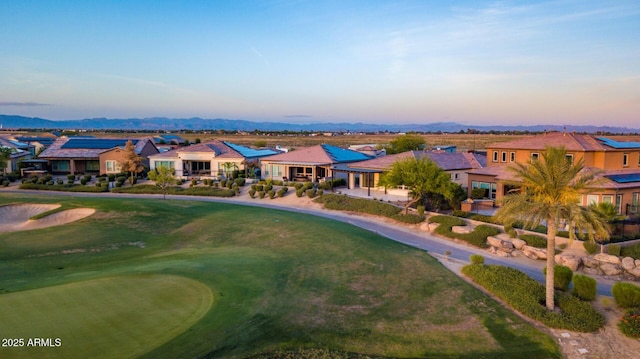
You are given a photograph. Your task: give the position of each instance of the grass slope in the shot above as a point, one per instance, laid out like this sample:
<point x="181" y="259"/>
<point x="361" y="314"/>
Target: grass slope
<point x="280" y="280"/>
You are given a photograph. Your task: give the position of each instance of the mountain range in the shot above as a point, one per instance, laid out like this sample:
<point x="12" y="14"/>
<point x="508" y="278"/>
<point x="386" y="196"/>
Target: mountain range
<point x="176" y="124"/>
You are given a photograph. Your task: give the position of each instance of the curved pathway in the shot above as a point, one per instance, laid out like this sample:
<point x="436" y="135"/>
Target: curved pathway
<point x="414" y="238"/>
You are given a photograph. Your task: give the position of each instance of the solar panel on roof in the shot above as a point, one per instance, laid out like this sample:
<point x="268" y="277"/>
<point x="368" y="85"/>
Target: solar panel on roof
<point x="250" y="152"/>
<point x="343" y="155"/>
<point x="625" y="178"/>
<point x="95" y="143"/>
<point x="618" y="144"/>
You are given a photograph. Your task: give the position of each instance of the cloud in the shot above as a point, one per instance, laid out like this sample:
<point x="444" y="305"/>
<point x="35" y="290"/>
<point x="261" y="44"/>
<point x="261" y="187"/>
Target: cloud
<point x="24" y="104"/>
<point x="297" y="116"/>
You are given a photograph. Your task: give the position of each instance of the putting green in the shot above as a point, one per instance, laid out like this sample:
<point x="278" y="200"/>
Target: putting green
<point x="114" y="317"/>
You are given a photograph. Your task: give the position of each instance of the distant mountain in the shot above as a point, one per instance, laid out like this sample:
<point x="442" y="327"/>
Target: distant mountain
<point x="175" y="124"/>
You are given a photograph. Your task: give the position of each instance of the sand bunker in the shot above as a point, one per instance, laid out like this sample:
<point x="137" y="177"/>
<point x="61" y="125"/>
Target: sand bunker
<point x="16" y="217"/>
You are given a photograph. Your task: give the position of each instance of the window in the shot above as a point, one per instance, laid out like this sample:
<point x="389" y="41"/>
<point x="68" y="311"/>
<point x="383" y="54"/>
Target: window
<point x="60" y="165"/>
<point x="457" y="176"/>
<point x="592" y="199"/>
<point x="607" y="198"/>
<point x="570" y="158"/>
<point x="535" y="156"/>
<point x="619" y="203"/>
<point x="114" y="167"/>
<point x="512" y="156"/>
<point x="504" y="156"/>
<point x="158" y="164"/>
<point x="93" y="166"/>
<point x="495" y="156"/>
<point x="625" y="159"/>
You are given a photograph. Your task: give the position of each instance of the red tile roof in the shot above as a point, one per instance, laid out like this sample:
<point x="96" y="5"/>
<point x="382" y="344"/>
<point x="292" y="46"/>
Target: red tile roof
<point x="571" y="141"/>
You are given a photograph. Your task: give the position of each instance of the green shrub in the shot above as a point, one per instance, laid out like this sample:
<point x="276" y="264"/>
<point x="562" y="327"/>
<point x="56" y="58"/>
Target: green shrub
<point x="590" y="246"/>
<point x="632" y="251"/>
<point x="626" y="295"/>
<point x="478" y="193"/>
<point x="281" y="192"/>
<point x="613" y="249"/>
<point x="344" y="203"/>
<point x="254" y="186"/>
<point x="298" y="185"/>
<point x="561" y="278"/>
<point x="83" y="181"/>
<point x="477" y="238"/>
<point x="272" y="194"/>
<point x="261" y="194"/>
<point x="629" y="324"/>
<point x="192" y="191"/>
<point x="527" y="296"/>
<point x="482" y="218"/>
<point x="259" y="187"/>
<point x="420" y="210"/>
<point x="299" y="192"/>
<point x="268" y="187"/>
<point x="409" y="218"/>
<point x="59" y="181"/>
<point x="476" y="259"/>
<point x="71" y="177"/>
<point x="112" y="177"/>
<point x="330" y="184"/>
<point x="584" y="287"/>
<point x="5" y="183"/>
<point x="311" y="192"/>
<point x="458" y="213"/>
<point x="534" y="241"/>
<point x="63" y="188"/>
<point x="513" y="233"/>
<point x="252" y="193"/>
<point x="447" y="220"/>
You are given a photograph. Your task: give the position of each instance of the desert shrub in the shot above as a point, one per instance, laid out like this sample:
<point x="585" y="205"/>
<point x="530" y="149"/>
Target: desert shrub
<point x="626" y="295"/>
<point x="590" y="246"/>
<point x="71" y="177"/>
<point x="527" y="296"/>
<point x="420" y="210"/>
<point x="111" y="177"/>
<point x="613" y="249"/>
<point x="83" y="181"/>
<point x="534" y="241"/>
<point x="299" y="192"/>
<point x="5" y="183"/>
<point x="477" y="238"/>
<point x="261" y="194"/>
<point x="240" y="181"/>
<point x="459" y="213"/>
<point x="320" y="192"/>
<point x="409" y="218"/>
<point x="311" y="192"/>
<point x="252" y="193"/>
<point x="119" y="184"/>
<point x="88" y="178"/>
<point x="344" y="203"/>
<point x="447" y="220"/>
<point x="584" y="287"/>
<point x="629" y="324"/>
<point x="281" y="192"/>
<point x="478" y="193"/>
<point x="63" y="188"/>
<point x="254" y="186"/>
<point x="562" y="276"/>
<point x="631" y="251"/>
<point x="60" y="181"/>
<point x="98" y="184"/>
<point x="285" y="189"/>
<point x="298" y="185"/>
<point x="337" y="182"/>
<point x="268" y="187"/>
<point x="512" y="233"/>
<point x="476" y="259"/>
<point x="272" y="194"/>
<point x="259" y="187"/>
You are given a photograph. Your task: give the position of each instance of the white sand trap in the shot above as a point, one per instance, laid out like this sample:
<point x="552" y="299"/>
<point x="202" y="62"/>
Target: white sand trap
<point x="16" y="217"/>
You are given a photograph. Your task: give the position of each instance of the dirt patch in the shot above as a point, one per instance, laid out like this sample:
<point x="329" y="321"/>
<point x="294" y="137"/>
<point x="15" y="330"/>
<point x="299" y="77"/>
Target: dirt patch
<point x="16" y="217"/>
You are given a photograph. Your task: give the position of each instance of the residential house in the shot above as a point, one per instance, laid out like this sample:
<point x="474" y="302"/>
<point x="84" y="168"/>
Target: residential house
<point x="93" y="155"/>
<point x="615" y="163"/>
<point x="208" y="159"/>
<point x="366" y="174"/>
<point x="19" y="151"/>
<point x="313" y="163"/>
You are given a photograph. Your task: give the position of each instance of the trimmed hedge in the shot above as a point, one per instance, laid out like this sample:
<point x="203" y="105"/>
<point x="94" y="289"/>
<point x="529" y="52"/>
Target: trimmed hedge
<point x="409" y="218"/>
<point x="534" y="241"/>
<point x="476" y="259"/>
<point x="626" y="295"/>
<point x="477" y="238"/>
<point x="191" y="191"/>
<point x="344" y="203"/>
<point x="561" y="278"/>
<point x="527" y="296"/>
<point x="64" y="187"/>
<point x="632" y="251"/>
<point x="613" y="249"/>
<point x="590" y="246"/>
<point x="585" y="288"/>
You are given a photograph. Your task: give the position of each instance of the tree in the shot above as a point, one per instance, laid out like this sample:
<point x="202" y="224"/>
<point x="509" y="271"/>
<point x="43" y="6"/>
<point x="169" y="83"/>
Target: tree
<point x="549" y="191"/>
<point x="164" y="177"/>
<point x="423" y="177"/>
<point x="229" y="167"/>
<point x="131" y="163"/>
<point x="5" y="155"/>
<point x="405" y="143"/>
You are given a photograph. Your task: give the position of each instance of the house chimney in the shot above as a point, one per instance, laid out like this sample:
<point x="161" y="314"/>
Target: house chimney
<point x="564" y="131"/>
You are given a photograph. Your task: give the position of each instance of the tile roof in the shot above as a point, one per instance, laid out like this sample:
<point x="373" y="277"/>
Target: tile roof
<point x="218" y="149"/>
<point x="95" y="147"/>
<point x="571" y="141"/>
<point x="446" y="160"/>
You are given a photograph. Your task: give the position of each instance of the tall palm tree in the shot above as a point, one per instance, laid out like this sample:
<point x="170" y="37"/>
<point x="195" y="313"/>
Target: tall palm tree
<point x="549" y="191"/>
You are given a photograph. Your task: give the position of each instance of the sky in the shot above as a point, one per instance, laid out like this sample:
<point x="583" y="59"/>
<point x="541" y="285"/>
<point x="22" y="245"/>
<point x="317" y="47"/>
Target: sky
<point x="471" y="62"/>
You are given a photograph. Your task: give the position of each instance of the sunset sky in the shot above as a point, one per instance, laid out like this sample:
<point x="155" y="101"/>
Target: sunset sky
<point x="472" y="62"/>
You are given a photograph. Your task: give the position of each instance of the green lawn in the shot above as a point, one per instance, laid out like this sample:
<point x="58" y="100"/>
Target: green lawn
<point x="279" y="281"/>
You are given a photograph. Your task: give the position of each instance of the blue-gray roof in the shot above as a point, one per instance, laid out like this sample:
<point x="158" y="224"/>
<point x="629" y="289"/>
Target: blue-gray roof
<point x="96" y="143"/>
<point x="625" y="178"/>
<point x="250" y="152"/>
<point x="343" y="155"/>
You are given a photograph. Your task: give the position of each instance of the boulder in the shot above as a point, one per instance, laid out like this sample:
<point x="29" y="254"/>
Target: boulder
<point x="628" y="263"/>
<point x="498" y="252"/>
<point x="517" y="253"/>
<point x="430" y="227"/>
<point x="607" y="258"/>
<point x="534" y="253"/>
<point x="505" y="246"/>
<point x="518" y="243"/>
<point x="461" y="229"/>
<point x="635" y="271"/>
<point x="568" y="260"/>
<point x="610" y="269"/>
<point x="637" y="262"/>
<point x="589" y="262"/>
<point x="591" y="271"/>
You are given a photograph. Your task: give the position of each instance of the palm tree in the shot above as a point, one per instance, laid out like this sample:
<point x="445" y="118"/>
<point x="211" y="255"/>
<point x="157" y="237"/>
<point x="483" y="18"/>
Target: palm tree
<point x="549" y="191"/>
